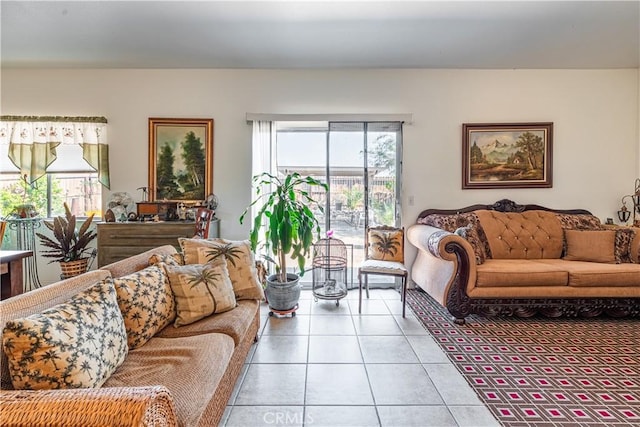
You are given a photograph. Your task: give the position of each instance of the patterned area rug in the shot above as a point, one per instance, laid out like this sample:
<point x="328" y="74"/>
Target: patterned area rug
<point x="544" y="372"/>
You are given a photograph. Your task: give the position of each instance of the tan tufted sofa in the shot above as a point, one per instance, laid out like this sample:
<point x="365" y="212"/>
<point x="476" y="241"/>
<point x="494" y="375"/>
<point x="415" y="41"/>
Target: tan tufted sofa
<point x="181" y="377"/>
<point x="507" y="258"/>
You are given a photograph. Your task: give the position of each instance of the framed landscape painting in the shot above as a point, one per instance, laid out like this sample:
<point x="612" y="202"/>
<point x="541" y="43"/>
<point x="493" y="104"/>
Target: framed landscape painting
<point x="180" y="159"/>
<point x="511" y="155"/>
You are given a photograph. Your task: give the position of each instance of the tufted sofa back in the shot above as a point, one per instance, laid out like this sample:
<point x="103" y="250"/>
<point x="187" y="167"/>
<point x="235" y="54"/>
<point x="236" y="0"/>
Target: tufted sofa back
<point x="526" y="235"/>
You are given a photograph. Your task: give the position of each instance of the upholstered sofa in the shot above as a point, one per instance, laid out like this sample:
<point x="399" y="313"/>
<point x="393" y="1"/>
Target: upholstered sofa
<point x="181" y="376"/>
<point x="515" y="259"/>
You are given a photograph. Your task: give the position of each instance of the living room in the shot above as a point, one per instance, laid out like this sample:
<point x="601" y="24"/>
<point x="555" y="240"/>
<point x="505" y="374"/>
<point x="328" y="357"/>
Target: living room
<point x="593" y="102"/>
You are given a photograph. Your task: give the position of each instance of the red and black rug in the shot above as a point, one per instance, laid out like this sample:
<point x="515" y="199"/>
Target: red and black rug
<point x="540" y="371"/>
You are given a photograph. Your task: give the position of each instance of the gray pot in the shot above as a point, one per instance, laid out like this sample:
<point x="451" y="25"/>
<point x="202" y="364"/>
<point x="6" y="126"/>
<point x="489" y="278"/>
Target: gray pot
<point x="283" y="296"/>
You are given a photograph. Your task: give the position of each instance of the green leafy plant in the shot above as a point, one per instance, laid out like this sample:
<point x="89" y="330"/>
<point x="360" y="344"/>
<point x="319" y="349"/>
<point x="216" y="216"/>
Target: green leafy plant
<point x="69" y="244"/>
<point x="287" y="213"/>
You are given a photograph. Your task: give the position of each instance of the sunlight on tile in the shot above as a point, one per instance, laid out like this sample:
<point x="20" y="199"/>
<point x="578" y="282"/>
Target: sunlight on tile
<point x="330" y="366"/>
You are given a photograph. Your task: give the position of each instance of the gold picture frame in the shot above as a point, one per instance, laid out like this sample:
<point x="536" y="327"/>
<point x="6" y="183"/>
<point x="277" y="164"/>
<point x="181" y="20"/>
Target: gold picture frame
<point x="180" y="159"/>
<point x="507" y="155"/>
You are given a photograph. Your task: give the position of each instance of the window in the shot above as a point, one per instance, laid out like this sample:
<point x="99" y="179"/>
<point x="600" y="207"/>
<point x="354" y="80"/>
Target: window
<point x="361" y="163"/>
<point x="81" y="191"/>
<point x="51" y="160"/>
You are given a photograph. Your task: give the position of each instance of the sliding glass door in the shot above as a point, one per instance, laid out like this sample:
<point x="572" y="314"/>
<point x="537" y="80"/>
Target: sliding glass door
<point x="361" y="163"/>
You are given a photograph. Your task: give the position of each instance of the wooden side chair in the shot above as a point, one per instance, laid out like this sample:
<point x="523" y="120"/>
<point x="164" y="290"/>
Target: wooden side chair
<point x="203" y="220"/>
<point x="384" y="255"/>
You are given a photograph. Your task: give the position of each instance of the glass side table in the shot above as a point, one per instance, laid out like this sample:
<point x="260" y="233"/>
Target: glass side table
<point x="25" y="229"/>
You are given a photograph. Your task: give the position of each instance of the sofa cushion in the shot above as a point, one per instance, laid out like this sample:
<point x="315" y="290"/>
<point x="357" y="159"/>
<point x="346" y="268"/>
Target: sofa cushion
<point x="590" y="245"/>
<point x="579" y="221"/>
<point x="76" y="344"/>
<point x="170" y="259"/>
<point x="146" y="302"/>
<point x="475" y="234"/>
<point x="238" y="256"/>
<point x="200" y="290"/>
<point x="524" y="235"/>
<point x="511" y="272"/>
<point x="38" y="300"/>
<point x="234" y="323"/>
<point x="623" y="244"/>
<point x="190" y="367"/>
<point x="585" y="274"/>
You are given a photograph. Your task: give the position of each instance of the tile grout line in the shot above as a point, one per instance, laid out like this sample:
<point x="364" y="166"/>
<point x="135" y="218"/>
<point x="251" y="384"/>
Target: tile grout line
<point x="364" y="364"/>
<point x="314" y="315"/>
<point x="437" y="389"/>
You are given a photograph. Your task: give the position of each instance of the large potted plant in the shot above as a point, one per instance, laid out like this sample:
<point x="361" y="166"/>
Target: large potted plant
<point x="290" y="226"/>
<point x="69" y="246"/>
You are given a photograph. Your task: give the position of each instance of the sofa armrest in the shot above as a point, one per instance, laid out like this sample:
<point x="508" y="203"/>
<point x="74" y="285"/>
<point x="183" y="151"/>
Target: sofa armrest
<point x="444" y="267"/>
<point x="136" y="262"/>
<point x="122" y="406"/>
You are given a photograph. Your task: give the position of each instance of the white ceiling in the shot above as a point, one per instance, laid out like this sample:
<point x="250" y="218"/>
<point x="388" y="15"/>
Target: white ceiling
<point x="292" y="34"/>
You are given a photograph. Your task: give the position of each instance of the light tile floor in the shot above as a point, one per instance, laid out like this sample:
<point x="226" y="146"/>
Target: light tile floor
<point x="330" y="366"/>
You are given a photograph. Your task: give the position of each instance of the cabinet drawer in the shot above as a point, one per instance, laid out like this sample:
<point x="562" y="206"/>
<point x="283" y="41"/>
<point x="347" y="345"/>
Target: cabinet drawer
<point x="117" y="240"/>
<point x="110" y="254"/>
<point x="143" y="234"/>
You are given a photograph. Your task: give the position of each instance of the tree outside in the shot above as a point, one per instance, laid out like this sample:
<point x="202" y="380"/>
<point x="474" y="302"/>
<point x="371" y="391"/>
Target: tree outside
<point x="19" y="193"/>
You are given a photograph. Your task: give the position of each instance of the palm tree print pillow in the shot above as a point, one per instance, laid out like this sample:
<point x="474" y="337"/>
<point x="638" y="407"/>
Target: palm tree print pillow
<point x="77" y="344"/>
<point x="200" y="290"/>
<point x="240" y="263"/>
<point x="238" y="256"/>
<point x="146" y="302"/>
<point x="386" y="245"/>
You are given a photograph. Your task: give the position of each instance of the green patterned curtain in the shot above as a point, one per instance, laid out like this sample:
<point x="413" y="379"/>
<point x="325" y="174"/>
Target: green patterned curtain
<point x="32" y="142"/>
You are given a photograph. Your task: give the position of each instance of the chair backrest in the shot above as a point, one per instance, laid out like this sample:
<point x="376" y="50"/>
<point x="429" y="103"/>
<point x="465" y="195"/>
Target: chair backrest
<point x="203" y="219"/>
<point x="384" y="243"/>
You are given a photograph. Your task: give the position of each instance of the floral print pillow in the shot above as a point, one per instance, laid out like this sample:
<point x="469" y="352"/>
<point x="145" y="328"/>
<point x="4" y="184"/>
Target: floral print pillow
<point x="474" y="233"/>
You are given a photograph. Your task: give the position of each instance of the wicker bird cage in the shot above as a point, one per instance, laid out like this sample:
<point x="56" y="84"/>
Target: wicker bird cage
<point x="329" y="269"/>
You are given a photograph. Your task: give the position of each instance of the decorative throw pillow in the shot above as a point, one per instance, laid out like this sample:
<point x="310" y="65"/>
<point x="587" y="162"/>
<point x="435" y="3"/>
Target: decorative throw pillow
<point x="386" y="244"/>
<point x="624" y="238"/>
<point x="239" y="259"/>
<point x="475" y="233"/>
<point x="579" y="221"/>
<point x="77" y="344"/>
<point x="590" y="245"/>
<point x="170" y="259"/>
<point x="200" y="290"/>
<point x="146" y="302"/>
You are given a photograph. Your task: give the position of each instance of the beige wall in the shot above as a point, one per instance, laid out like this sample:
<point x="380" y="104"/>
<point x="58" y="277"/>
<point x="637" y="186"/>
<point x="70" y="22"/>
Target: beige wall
<point x="596" y="114"/>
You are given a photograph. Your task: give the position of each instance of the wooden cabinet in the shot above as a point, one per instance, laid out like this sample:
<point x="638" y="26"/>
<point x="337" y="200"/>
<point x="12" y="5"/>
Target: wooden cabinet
<point x="119" y="240"/>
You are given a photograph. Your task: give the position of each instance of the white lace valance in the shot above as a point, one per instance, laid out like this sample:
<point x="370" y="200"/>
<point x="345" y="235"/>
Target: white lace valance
<point x="29" y="132"/>
<point x="32" y="142"/>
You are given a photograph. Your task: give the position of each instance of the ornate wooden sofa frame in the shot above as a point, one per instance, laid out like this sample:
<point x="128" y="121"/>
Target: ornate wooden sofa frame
<point x="446" y="269"/>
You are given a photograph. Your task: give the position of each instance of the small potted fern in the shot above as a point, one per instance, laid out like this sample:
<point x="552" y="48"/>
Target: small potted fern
<point x="69" y="246"/>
